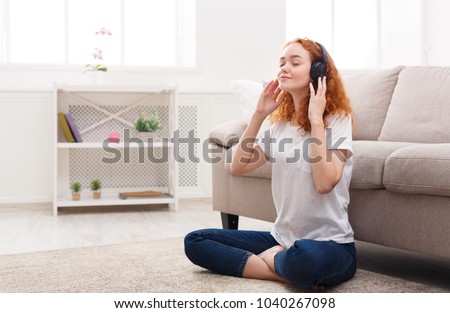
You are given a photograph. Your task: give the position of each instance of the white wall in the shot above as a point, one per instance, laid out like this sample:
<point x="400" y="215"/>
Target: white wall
<point x="25" y="158"/>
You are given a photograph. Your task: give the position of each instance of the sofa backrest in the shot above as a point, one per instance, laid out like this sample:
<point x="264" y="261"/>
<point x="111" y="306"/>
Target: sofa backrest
<point x="370" y="94"/>
<point x="420" y="107"/>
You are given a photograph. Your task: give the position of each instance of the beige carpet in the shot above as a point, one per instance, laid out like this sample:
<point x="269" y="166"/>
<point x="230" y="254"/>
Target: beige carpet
<point x="154" y="266"/>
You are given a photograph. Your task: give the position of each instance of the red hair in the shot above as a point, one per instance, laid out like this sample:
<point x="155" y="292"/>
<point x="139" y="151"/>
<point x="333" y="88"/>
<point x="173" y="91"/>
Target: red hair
<point x="337" y="100"/>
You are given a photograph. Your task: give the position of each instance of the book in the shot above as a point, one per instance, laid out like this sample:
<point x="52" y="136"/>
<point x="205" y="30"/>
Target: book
<point x="65" y="127"/>
<point x="139" y="194"/>
<point x="73" y="127"/>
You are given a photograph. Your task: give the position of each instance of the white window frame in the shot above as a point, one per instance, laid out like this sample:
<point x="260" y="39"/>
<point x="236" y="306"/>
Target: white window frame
<point x="5" y="56"/>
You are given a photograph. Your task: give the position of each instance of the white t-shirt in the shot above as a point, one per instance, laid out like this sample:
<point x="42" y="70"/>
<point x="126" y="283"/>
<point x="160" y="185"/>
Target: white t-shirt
<point x="303" y="213"/>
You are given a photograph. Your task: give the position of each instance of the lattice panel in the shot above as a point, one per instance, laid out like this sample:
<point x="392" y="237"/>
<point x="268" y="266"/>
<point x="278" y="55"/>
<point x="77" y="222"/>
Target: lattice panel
<point x="86" y="116"/>
<point x="90" y="108"/>
<point x="132" y="170"/>
<point x="188" y="170"/>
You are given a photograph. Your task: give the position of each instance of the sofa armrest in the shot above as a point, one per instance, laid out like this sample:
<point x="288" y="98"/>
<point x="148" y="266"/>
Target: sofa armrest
<point x="227" y="134"/>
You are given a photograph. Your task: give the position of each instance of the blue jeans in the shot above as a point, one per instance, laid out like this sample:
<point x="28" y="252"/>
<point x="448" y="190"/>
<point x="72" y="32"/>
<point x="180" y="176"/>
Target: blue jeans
<point x="306" y="263"/>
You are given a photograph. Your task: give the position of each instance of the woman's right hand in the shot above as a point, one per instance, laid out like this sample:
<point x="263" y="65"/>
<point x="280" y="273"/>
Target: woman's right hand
<point x="269" y="100"/>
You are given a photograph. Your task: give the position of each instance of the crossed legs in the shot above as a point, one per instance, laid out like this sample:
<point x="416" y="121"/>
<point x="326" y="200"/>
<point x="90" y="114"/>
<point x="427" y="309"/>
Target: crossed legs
<point x="252" y="254"/>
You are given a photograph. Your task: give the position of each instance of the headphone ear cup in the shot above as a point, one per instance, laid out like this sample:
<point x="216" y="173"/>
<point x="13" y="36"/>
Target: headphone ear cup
<point x="318" y="69"/>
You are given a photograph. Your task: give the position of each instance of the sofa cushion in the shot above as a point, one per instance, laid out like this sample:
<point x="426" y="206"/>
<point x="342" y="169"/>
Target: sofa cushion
<point x="370" y="94"/>
<point x="420" y="106"/>
<point x="419" y="169"/>
<point x="369" y="161"/>
<point x="228" y="133"/>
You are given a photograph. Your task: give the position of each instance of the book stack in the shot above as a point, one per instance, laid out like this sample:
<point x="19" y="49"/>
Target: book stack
<point x="69" y="128"/>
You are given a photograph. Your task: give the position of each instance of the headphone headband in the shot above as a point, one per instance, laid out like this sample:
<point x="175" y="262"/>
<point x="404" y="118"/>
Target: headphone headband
<point x="324" y="52"/>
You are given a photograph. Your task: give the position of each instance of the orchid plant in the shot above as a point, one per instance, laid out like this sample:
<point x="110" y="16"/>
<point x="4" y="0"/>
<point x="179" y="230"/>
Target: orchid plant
<point x="97" y="54"/>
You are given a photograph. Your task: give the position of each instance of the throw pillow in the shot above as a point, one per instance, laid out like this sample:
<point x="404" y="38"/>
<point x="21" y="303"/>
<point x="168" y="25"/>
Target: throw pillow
<point x="370" y="94"/>
<point x="420" y="107"/>
<point x="247" y="93"/>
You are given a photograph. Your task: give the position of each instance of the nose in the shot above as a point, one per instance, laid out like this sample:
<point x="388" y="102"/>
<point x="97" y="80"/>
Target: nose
<point x="284" y="69"/>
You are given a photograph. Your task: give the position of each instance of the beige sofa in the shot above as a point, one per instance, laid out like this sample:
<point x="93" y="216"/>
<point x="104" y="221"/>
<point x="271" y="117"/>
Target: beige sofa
<point x="400" y="190"/>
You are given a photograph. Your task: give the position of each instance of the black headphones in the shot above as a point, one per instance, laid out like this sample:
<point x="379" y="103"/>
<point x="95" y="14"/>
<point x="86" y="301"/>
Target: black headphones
<point x="319" y="67"/>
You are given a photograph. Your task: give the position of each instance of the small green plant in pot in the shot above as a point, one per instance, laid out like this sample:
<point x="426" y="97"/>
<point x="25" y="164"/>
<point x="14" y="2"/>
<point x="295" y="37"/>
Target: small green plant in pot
<point x="96" y="187"/>
<point x="76" y="190"/>
<point x="147" y="125"/>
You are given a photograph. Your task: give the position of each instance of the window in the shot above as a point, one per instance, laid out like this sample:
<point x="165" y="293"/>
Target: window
<point x="360" y="34"/>
<point x="35" y="35"/>
<point x="154" y="33"/>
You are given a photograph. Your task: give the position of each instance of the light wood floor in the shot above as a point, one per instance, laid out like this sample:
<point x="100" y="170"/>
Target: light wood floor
<point x="32" y="227"/>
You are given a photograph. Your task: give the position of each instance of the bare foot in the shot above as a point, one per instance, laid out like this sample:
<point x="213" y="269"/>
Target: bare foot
<point x="268" y="257"/>
<point x="271" y="251"/>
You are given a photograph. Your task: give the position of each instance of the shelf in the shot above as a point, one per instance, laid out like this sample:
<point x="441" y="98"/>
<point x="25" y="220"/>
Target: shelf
<point x="112" y="199"/>
<point x="115" y="88"/>
<point x="99" y="110"/>
<point x="120" y="145"/>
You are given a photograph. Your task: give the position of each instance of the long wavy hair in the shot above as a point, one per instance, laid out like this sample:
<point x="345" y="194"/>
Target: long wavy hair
<point x="337" y="99"/>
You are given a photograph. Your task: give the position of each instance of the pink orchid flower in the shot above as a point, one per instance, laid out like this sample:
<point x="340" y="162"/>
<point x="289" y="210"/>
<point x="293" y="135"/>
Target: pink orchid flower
<point x="104" y="31"/>
<point x="97" y="54"/>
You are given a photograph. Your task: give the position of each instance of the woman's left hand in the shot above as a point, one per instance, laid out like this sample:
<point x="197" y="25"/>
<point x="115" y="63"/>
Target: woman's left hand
<point x="317" y="101"/>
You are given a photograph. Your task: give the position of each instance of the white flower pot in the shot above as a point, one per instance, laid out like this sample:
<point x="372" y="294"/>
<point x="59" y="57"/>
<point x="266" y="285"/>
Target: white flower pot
<point x="95" y="77"/>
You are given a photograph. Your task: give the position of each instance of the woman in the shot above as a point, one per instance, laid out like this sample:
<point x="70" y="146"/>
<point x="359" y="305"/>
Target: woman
<point x="311" y="243"/>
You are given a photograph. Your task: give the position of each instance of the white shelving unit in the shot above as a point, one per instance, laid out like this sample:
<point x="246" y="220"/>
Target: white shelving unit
<point x="130" y="165"/>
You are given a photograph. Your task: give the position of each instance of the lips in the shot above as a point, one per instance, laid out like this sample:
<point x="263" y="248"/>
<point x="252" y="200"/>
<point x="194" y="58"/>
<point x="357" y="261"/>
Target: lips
<point x="284" y="77"/>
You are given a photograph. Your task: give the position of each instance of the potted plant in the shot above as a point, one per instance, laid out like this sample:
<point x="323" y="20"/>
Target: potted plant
<point x="96" y="187"/>
<point x="76" y="189"/>
<point x="146" y="126"/>
<point x="94" y="71"/>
